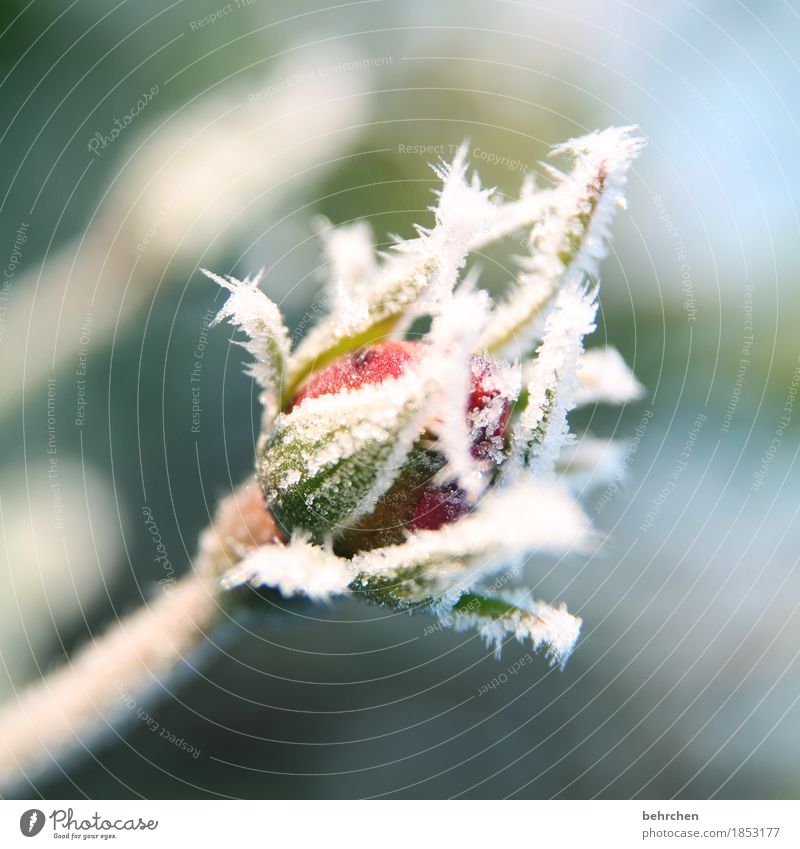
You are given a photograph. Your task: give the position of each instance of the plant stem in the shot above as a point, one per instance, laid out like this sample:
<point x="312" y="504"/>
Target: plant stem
<point x="71" y="706"/>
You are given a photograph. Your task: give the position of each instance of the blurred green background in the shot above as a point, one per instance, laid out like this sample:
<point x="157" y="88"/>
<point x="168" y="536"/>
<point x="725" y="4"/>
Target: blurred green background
<point x="261" y="115"/>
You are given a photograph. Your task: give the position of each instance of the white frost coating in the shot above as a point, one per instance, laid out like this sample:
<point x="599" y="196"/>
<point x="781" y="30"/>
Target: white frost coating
<point x="465" y="218"/>
<point x="454" y="336"/>
<point x="334" y="426"/>
<point x="349" y="250"/>
<point x="571" y="236"/>
<point x="598" y="179"/>
<point x="516" y="322"/>
<point x="510" y="216"/>
<point x="504" y="379"/>
<point x="75" y="704"/>
<point x="432" y="392"/>
<point x="541" y="623"/>
<point x="507" y="525"/>
<point x="260" y="318"/>
<point x="604" y="377"/>
<point x="394" y="412"/>
<point x="351" y="256"/>
<point x="299" y="568"/>
<point x="542" y="429"/>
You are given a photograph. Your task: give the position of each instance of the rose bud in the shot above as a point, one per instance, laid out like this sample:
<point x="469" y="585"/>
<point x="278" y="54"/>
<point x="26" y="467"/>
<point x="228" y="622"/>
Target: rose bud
<point x="414" y="501"/>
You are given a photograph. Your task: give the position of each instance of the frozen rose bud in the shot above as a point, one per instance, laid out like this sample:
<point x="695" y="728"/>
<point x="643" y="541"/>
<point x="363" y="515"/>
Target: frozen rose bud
<point x="381" y="463"/>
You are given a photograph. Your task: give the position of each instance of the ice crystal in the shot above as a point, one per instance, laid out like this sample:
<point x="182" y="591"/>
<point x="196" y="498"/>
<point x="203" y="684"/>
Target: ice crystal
<point x="481" y="441"/>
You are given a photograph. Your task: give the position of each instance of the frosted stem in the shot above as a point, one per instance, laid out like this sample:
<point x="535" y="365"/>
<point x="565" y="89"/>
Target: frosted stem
<point x="72" y="706"/>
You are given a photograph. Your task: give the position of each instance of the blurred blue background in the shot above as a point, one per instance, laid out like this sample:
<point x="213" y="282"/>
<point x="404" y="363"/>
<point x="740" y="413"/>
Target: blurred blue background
<point x="143" y="141"/>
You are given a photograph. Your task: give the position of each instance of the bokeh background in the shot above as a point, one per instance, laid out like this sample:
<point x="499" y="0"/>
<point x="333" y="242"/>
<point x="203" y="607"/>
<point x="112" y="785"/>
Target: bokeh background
<point x="143" y="140"/>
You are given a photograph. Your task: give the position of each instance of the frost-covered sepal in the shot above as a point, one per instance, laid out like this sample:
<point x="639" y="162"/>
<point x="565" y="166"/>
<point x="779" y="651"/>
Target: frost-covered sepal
<point x="268" y="339"/>
<point x="569" y="237"/>
<point x="542" y="430"/>
<point x="299" y="568"/>
<point x="500" y="618"/>
<point x="507" y="525"/>
<point x="327" y="461"/>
